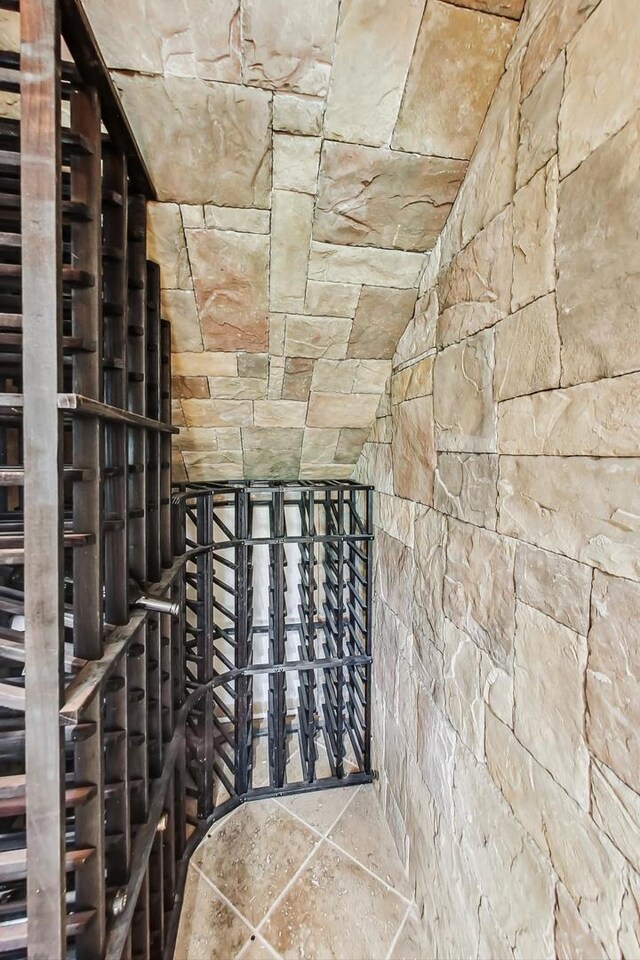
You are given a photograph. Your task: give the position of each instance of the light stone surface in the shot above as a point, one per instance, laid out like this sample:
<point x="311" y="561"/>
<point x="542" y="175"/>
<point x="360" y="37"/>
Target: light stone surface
<point x="462" y="688"/>
<point x="534" y="224"/>
<point x="549" y="670"/>
<point x="243" y="220"/>
<point x="590" y="419"/>
<point x="465" y="414"/>
<point x="207" y="364"/>
<point x="466" y="487"/>
<point x="383" y="198"/>
<point x="380" y="317"/>
<point x="612" y="676"/>
<point x="527" y="350"/>
<point x="616" y="810"/>
<point x="344" y="264"/>
<point x="180" y="310"/>
<point x="167" y="245"/>
<point x="289" y="46"/>
<point x="231" y="275"/>
<point x="502" y="8"/>
<point x="430" y="538"/>
<point x="457" y="49"/>
<point x="290" y="236"/>
<point x="573" y="936"/>
<point x="474" y="291"/>
<point x="419" y="336"/>
<point x="599" y="210"/>
<point x="351" y="376"/>
<point x="295" y="114"/>
<point x="592" y="110"/>
<point x="414" y="457"/>
<point x="219" y="131"/>
<point x="332" y="299"/>
<point x="295" y="162"/>
<point x="539" y="122"/>
<point x="554" y="585"/>
<point x="585" y="508"/>
<point x="364" y="100"/>
<point x="480" y="605"/>
<point x="271" y="452"/>
<point x="340" y="410"/>
<point x="298" y="373"/>
<point x="555" y="22"/>
<point x="316" y="336"/>
<point x="283" y="413"/>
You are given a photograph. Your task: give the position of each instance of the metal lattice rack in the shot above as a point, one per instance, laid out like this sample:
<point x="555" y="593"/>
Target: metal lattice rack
<point x="291" y="708"/>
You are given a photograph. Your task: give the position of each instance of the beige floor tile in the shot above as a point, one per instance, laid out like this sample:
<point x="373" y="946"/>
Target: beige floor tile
<point x="257" y="949"/>
<point x="252" y="854"/>
<point x="208" y="930"/>
<point x="411" y="944"/>
<point x="363" y="832"/>
<point x="316" y="917"/>
<point x="320" y="810"/>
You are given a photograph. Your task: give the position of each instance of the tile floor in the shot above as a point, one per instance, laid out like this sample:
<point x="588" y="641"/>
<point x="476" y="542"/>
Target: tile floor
<point x="312" y="877"/>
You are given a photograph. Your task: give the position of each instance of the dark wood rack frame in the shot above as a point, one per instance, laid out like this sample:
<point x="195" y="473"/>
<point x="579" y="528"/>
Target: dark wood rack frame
<point x="92" y="705"/>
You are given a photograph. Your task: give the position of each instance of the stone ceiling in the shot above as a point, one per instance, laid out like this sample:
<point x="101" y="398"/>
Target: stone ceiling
<point x="306" y="154"/>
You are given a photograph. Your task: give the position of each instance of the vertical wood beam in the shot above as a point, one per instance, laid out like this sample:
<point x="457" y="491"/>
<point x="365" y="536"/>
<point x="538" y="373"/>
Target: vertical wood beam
<point x="44" y="563"/>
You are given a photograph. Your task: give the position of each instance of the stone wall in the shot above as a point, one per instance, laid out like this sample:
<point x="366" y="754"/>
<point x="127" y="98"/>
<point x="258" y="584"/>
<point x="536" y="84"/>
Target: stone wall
<point x="505" y="456"/>
<point x="306" y="154"/>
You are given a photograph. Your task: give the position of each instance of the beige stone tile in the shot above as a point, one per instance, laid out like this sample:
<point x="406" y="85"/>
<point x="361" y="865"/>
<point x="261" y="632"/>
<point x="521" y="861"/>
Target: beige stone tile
<point x="396" y="576"/>
<point x="466" y="487"/>
<point x="182" y="387"/>
<point x="591" y="419"/>
<point x="167" y="245"/>
<point x="616" y="810"/>
<point x="231" y="276"/>
<point x="316" y="337"/>
<point x="527" y="350"/>
<point x="549" y="669"/>
<point x="380" y="318"/>
<point x="351" y="376"/>
<point x="413" y="450"/>
<point x="251" y="855"/>
<point x="396" y="516"/>
<point x="298" y="374"/>
<point x="271" y="452"/>
<point x="192" y="216"/>
<point x="539" y="122"/>
<point x="279" y="413"/>
<point x="232" y="218"/>
<point x="555" y="585"/>
<point x="502" y="8"/>
<point x="535" y="213"/>
<point x="238" y="388"/>
<point x="573" y="936"/>
<point x="295" y="929"/>
<point x="218" y="413"/>
<point x="612" y="676"/>
<point x="295" y="162"/>
<point x="332" y="299"/>
<point x="463" y="406"/>
<point x="256" y="949"/>
<point x="320" y="810"/>
<point x="291" y="219"/>
<point x="599" y="209"/>
<point x="457" y="49"/>
<point x="420" y="333"/>
<point x="220" y="132"/>
<point x="474" y="291"/>
<point x="204" y="364"/>
<point x="161" y="38"/>
<point x="350" y="444"/>
<point x="289" y="46"/>
<point x="581" y="507"/>
<point x="209" y="929"/>
<point x="210" y="438"/>
<point x="463" y="688"/>
<point x="368" y="265"/>
<point x="362" y="832"/>
<point x="297" y="114"/>
<point x="179" y="308"/>
<point x="253" y="365"/>
<point x="364" y="100"/>
<point x="177" y="416"/>
<point x="319" y="445"/>
<point x="383" y="198"/>
<point x="593" y="109"/>
<point x="339" y="410"/>
<point x="557" y="22"/>
<point x="412" y="941"/>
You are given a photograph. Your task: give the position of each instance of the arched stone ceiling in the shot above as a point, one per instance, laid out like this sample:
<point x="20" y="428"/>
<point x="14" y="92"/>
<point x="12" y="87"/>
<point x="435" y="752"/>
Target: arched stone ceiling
<point x="306" y="154"/>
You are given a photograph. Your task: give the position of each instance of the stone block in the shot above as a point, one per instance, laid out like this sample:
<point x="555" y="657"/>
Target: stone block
<point x="332" y="299"/>
<point x="466" y="487"/>
<point x="465" y="414"/>
<point x="295" y="163"/>
<point x="336" y="410"/>
<point x="204" y="364"/>
<point x="535" y="213"/>
<point x="380" y="318"/>
<point x="557" y="22"/>
<point x="296" y="114"/>
<point x="368" y="265"/>
<point x="573" y="935"/>
<point x="420" y="333"/>
<point x="253" y="365"/>
<point x="616" y="810"/>
<point x="350" y="444"/>
<point x="279" y="413"/>
<point x="599" y="211"/>
<point x="179" y="308"/>
<point x="298" y="372"/>
<point x="463" y="702"/>
<point x="612" y="677"/>
<point x="364" y="100"/>
<point x="167" y="245"/>
<point x="319" y="445"/>
<point x="271" y="452"/>
<point x="457" y="49"/>
<point x="218" y="413"/>
<point x="539" y="122"/>
<point x="413" y="450"/>
<point x="527" y="350"/>
<point x="183" y="387"/>
<point x="554" y="585"/>
<point x="430" y="542"/>
<point x="232" y="218"/>
<point x="316" y="336"/>
<point x="383" y="198"/>
<point x="549" y="669"/>
<point x="238" y="388"/>
<point x="580" y="507"/>
<point x="231" y="275"/>
<point x="291" y="218"/>
<point x="482" y="606"/>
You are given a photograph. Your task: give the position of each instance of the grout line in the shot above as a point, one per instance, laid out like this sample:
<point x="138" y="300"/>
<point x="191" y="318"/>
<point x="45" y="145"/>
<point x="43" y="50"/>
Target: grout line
<point x="307" y="824"/>
<point x="224" y="898"/>
<point x="302" y="866"/>
<point x="399" y="930"/>
<point x="257" y="938"/>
